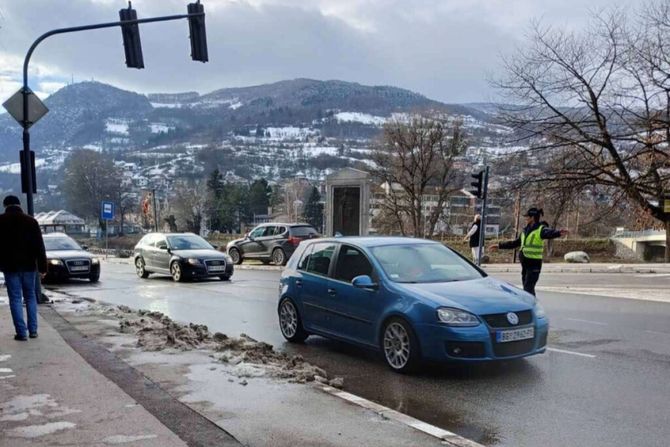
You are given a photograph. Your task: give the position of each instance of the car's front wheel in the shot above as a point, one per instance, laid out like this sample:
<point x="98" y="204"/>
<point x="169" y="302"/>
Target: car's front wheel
<point x="400" y="346"/>
<point x="95" y="277"/>
<point x="176" y="272"/>
<point x="225" y="277"/>
<point x="279" y="257"/>
<point x="290" y="323"/>
<point x="235" y="255"/>
<point x="140" y="268"/>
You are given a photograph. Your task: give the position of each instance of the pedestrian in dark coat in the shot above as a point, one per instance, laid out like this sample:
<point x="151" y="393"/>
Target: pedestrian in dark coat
<point x="22" y="256"/>
<point x="531" y="247"/>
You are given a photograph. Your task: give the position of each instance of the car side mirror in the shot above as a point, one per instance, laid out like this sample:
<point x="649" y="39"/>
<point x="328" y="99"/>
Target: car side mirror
<point x="215" y="247"/>
<point x="84" y="247"/>
<point x="364" y="282"/>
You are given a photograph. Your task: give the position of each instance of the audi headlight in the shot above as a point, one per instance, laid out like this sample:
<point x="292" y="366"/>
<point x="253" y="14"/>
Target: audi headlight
<point x="95" y="261"/>
<point x="539" y="311"/>
<point x="55" y="262"/>
<point x="194" y="261"/>
<point x="456" y="317"/>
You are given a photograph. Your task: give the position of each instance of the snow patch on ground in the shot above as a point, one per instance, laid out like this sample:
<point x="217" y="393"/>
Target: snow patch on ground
<point x="35" y="431"/>
<point x="363" y="118"/>
<point x="119" y="127"/>
<point x="160" y="128"/>
<point x="163" y="105"/>
<point x="123" y="439"/>
<point x="290" y="133"/>
<point x="15" y="168"/>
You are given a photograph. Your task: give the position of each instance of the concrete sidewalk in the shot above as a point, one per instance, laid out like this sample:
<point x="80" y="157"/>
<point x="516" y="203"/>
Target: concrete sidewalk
<point x="564" y="267"/>
<point x="50" y="396"/>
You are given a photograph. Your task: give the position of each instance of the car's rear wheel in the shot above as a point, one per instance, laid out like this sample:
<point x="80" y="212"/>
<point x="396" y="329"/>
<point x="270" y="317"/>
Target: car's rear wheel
<point x="290" y="323"/>
<point x="140" y="268"/>
<point x="176" y="272"/>
<point x="278" y="256"/>
<point x="236" y="256"/>
<point x="400" y="346"/>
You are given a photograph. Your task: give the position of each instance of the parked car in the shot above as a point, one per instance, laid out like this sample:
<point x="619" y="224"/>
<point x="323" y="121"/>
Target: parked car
<point x="271" y="242"/>
<point x="184" y="256"/>
<point x="411" y="299"/>
<point x="66" y="259"/>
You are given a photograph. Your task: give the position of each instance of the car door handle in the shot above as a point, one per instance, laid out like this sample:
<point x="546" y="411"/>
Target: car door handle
<point x="332" y="292"/>
<point x="298" y="283"/>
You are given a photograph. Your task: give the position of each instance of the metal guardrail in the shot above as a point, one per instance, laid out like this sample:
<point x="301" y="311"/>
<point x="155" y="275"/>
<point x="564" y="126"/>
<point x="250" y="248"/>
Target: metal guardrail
<point x="637" y="234"/>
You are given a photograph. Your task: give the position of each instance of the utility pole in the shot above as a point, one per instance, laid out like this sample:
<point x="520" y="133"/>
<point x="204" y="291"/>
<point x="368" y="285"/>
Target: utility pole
<point x="153" y="196"/>
<point x="517" y="219"/>
<point x="129" y="25"/>
<point x="482" y="232"/>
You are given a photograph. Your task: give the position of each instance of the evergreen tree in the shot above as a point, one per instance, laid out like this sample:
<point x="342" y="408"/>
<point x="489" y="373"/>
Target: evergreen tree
<point x="313" y="210"/>
<point x="259" y="197"/>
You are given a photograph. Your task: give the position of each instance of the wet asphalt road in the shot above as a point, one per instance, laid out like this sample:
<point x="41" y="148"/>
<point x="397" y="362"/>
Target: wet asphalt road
<point x="604" y="383"/>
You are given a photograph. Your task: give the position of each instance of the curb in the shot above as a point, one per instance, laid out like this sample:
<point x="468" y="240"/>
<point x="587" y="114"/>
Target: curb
<point x="447" y="437"/>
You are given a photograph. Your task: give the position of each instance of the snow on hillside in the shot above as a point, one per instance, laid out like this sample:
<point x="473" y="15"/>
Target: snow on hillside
<point x="116" y="126"/>
<point x="363" y="118"/>
<point x="290" y="133"/>
<point x="160" y="128"/>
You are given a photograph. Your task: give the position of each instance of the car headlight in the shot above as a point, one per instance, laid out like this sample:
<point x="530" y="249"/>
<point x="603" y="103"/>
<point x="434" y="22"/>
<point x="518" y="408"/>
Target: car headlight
<point x="194" y="261"/>
<point x="456" y="317"/>
<point x="95" y="261"/>
<point x="539" y="311"/>
<point x="55" y="262"/>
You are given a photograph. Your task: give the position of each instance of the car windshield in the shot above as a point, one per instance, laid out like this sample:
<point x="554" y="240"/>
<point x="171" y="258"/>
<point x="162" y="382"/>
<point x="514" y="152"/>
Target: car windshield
<point x="187" y="242"/>
<point x="60" y="243"/>
<point x="423" y="263"/>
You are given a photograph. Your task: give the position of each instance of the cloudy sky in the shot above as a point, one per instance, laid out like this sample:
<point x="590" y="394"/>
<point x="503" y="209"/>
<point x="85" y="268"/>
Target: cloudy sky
<point x="444" y="49"/>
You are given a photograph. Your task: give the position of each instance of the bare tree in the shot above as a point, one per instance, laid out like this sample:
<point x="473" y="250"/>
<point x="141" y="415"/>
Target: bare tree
<point x="188" y="206"/>
<point x="598" y="102"/>
<point x="414" y="160"/>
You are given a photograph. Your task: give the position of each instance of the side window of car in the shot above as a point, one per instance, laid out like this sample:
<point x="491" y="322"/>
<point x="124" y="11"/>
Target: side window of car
<point x="150" y="240"/>
<point x="319" y="260"/>
<point x="161" y="243"/>
<point x="304" y="261"/>
<point x="258" y="232"/>
<point x="280" y="231"/>
<point x="351" y="262"/>
<point x="270" y="231"/>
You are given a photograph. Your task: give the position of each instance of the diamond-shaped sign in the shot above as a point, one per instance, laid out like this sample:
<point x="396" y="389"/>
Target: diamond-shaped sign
<point x="36" y="108"/>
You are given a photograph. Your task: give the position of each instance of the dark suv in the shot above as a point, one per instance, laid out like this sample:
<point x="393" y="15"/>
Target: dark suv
<point x="271" y="242"/>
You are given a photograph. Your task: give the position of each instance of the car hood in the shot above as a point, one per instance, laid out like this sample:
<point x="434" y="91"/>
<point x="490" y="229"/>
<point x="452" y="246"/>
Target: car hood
<point x="204" y="253"/>
<point x="68" y="254"/>
<point x="479" y="296"/>
<point x="234" y="242"/>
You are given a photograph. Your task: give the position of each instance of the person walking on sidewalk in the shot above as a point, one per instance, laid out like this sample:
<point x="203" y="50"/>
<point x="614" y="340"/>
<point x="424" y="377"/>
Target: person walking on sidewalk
<point x="22" y="255"/>
<point x="531" y="247"/>
<point x="473" y="236"/>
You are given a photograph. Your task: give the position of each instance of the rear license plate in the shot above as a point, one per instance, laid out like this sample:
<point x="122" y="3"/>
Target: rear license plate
<point x="515" y="335"/>
<point x="217" y="268"/>
<point x="79" y="268"/>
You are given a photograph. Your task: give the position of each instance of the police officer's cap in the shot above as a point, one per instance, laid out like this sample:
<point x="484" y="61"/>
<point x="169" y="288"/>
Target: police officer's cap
<point x="534" y="212"/>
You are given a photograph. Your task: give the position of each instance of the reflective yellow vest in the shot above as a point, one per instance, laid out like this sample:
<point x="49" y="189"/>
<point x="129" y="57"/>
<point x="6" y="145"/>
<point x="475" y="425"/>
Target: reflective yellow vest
<point x="532" y="246"/>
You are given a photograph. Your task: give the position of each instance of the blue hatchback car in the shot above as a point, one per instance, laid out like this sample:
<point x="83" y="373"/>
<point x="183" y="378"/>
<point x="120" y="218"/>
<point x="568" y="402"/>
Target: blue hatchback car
<point x="411" y="299"/>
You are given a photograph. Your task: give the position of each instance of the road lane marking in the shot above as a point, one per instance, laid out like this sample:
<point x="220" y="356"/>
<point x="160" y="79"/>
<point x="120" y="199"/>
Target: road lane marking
<point x="656" y="295"/>
<point x="587" y="321"/>
<point x="563" y="351"/>
<point x="653" y="275"/>
<point x="657" y="332"/>
<point x="448" y="438"/>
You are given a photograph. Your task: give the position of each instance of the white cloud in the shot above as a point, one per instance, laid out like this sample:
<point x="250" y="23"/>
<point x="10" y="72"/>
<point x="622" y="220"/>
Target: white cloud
<point x="441" y="48"/>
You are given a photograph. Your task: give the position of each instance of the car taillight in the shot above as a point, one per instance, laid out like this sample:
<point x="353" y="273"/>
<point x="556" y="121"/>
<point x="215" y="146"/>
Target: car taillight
<point x="293" y="240"/>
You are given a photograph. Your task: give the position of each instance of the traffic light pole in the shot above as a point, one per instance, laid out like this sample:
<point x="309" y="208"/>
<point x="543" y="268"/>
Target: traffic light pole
<point x="482" y="230"/>
<point x="28" y="165"/>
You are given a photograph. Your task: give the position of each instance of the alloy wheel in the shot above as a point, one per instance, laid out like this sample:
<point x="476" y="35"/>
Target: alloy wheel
<point x="397" y="346"/>
<point x="278" y="256"/>
<point x="175" y="270"/>
<point x="288" y="319"/>
<point x="139" y="267"/>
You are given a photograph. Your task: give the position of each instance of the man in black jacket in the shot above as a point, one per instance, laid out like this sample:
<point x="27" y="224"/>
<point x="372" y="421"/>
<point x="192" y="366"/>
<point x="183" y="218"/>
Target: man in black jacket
<point x="22" y="255"/>
<point x="531" y="247"/>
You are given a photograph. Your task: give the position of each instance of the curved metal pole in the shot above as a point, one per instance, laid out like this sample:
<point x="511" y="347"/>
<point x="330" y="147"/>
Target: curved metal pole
<point x="26" y="164"/>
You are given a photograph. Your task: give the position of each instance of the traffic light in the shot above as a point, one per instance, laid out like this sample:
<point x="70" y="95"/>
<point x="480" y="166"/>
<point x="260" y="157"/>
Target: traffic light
<point x="197" y="34"/>
<point x="479" y="185"/>
<point x="131" y="38"/>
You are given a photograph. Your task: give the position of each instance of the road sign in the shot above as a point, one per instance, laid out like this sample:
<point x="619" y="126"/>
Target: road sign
<point x="36" y="108"/>
<point x="107" y="211"/>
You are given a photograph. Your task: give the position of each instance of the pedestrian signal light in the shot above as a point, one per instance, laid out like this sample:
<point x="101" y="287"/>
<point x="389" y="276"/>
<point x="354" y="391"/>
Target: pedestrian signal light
<point x="478" y="184"/>
<point x="197" y="34"/>
<point x="131" y="38"/>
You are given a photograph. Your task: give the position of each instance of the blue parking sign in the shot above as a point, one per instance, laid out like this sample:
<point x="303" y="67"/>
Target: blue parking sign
<point x="107" y="211"/>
